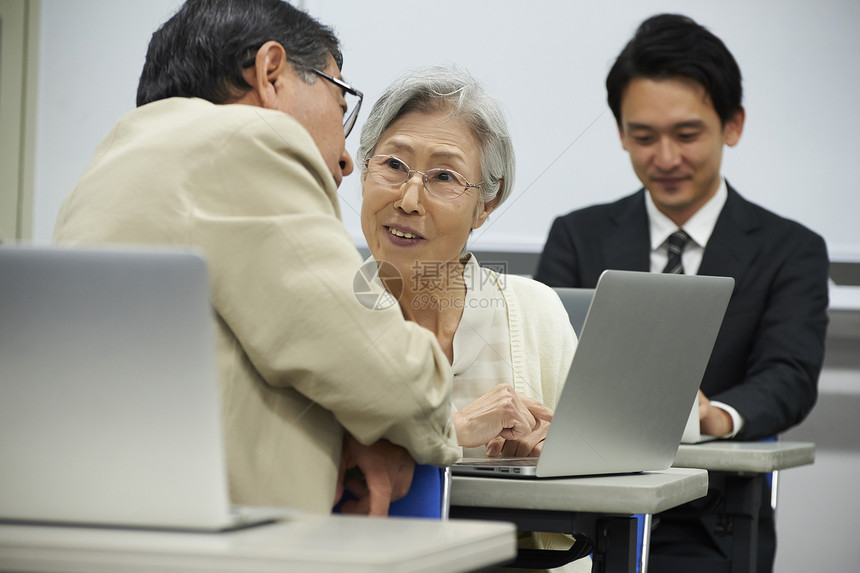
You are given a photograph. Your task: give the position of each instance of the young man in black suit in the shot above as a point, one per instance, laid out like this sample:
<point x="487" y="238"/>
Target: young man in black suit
<point x="675" y="91"/>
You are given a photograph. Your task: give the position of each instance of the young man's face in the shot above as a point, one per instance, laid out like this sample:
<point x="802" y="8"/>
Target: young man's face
<point x="675" y="140"/>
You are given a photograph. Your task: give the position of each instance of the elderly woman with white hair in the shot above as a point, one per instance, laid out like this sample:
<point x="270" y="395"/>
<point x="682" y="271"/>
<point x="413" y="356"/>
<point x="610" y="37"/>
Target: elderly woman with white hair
<point x="437" y="160"/>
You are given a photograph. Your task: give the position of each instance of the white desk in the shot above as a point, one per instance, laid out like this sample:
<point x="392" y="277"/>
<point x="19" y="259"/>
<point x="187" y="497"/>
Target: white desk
<point x="648" y="492"/>
<point x="758" y="457"/>
<point x="599" y="507"/>
<point x="306" y="543"/>
<point x="737" y="471"/>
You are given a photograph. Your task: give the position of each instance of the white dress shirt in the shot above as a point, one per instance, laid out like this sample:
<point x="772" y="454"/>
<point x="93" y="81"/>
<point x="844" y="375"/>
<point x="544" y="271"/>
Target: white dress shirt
<point x="699" y="227"/>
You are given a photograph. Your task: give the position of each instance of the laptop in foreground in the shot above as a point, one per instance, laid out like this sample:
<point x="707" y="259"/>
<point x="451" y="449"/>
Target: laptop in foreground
<point x="109" y="402"/>
<point x="643" y="350"/>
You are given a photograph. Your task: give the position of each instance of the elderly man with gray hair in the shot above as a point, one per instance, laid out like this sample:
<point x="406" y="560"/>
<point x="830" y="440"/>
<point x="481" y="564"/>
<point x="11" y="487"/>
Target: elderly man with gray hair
<point x="237" y="148"/>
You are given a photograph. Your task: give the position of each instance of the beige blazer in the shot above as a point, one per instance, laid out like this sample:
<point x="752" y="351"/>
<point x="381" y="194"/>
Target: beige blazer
<point x="299" y="357"/>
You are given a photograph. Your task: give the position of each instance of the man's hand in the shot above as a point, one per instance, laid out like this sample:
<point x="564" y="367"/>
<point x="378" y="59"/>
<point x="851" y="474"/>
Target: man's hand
<point x="498" y="413"/>
<point x="713" y="421"/>
<point x="531" y="444"/>
<point x="387" y="475"/>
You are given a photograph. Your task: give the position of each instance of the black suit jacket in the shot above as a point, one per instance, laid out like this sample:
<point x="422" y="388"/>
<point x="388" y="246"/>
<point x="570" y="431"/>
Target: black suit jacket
<point x="768" y="354"/>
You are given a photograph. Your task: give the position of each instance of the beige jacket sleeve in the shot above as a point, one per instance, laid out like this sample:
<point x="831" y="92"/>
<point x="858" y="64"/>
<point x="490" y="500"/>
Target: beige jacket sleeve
<point x="284" y="269"/>
<point x="256" y="197"/>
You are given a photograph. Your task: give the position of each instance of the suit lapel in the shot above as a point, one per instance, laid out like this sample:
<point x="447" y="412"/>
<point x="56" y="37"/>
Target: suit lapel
<point x="733" y="244"/>
<point x="629" y="246"/>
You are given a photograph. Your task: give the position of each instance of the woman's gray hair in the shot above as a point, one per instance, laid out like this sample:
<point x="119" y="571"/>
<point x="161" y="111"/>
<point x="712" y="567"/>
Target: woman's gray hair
<point x="448" y="89"/>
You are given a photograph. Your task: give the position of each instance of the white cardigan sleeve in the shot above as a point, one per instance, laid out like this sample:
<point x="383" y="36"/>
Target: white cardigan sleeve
<point x="542" y="339"/>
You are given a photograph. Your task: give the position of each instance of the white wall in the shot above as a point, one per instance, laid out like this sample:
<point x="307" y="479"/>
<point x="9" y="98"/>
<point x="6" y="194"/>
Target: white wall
<point x="546" y="62"/>
<point x="91" y="53"/>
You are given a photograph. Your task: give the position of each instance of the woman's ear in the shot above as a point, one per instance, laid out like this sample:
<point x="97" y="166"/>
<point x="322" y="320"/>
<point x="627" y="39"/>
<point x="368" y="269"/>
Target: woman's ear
<point x="484" y="211"/>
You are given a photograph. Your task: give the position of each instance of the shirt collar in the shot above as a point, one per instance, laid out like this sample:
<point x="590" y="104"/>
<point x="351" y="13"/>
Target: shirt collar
<point x="699" y="226"/>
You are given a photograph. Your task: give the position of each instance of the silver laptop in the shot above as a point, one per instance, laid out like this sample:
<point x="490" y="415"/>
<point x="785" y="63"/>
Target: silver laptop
<point x="641" y="356"/>
<point x="109" y="401"/>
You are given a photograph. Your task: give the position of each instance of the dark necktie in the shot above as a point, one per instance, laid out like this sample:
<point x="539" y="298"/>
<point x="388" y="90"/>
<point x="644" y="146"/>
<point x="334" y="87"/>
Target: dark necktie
<point x="677" y="242"/>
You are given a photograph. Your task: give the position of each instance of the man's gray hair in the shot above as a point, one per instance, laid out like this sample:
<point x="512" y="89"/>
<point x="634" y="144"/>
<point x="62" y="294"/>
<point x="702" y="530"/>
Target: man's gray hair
<point x="448" y="89"/>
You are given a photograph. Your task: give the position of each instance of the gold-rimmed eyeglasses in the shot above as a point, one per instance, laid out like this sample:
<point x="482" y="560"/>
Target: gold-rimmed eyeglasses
<point x="445" y="184"/>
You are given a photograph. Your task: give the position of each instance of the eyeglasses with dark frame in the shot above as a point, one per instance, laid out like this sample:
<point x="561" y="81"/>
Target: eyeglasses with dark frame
<point x="392" y="171"/>
<point x="349" y="121"/>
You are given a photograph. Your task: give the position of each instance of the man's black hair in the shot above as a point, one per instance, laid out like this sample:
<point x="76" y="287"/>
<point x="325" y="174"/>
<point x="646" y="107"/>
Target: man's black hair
<point x="674" y="46"/>
<point x="202" y="49"/>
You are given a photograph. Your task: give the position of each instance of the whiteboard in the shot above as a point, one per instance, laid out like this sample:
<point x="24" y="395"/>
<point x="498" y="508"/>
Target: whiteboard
<point x="546" y="62"/>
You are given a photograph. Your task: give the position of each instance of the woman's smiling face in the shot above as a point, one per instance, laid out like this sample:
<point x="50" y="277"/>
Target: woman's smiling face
<point x="406" y="225"/>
